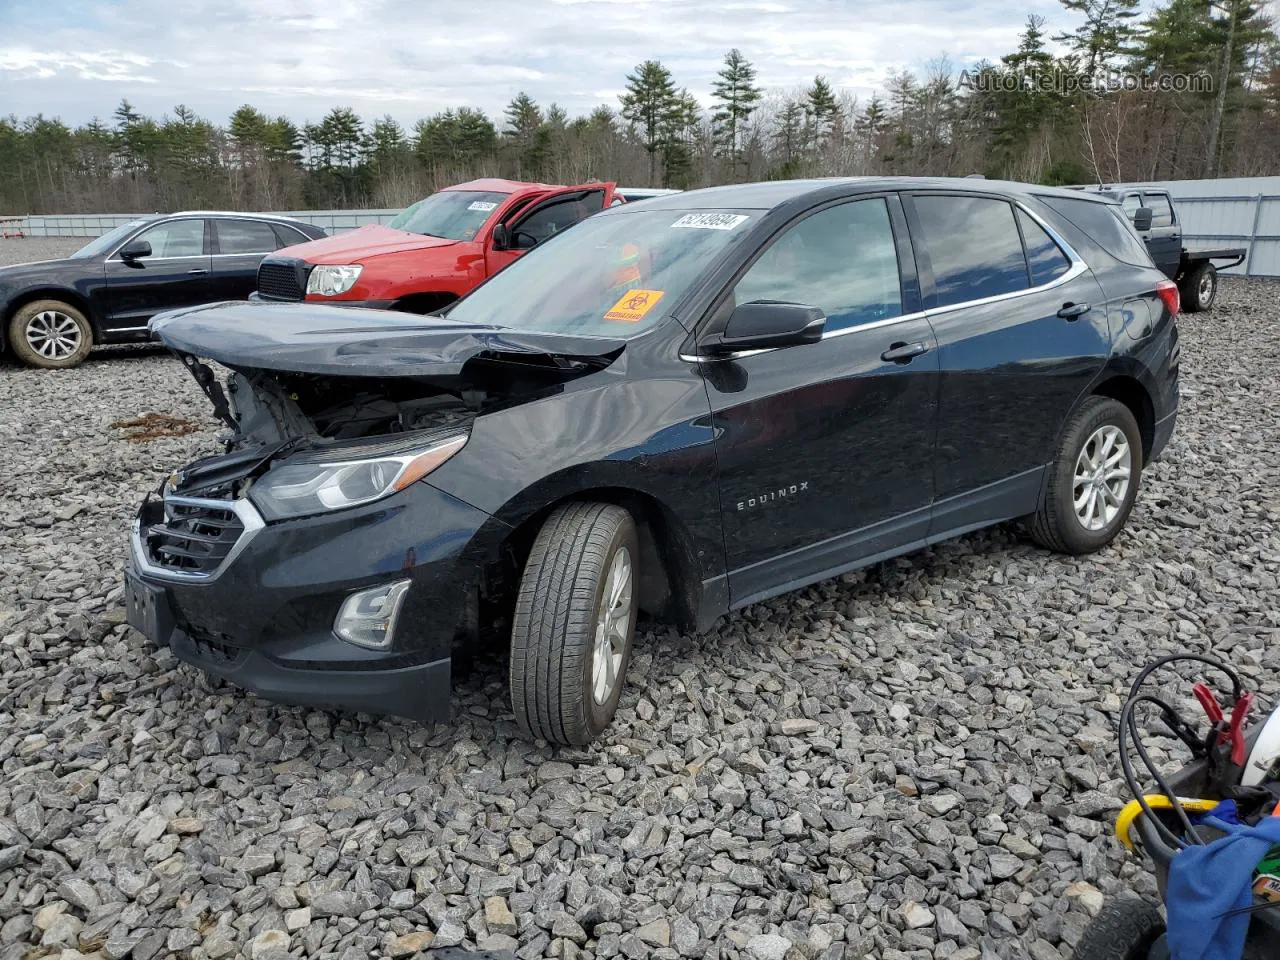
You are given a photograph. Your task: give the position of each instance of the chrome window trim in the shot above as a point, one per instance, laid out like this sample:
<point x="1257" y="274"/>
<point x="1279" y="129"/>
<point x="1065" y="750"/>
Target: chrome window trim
<point x="273" y="221"/>
<point x="242" y="508"/>
<point x="1078" y="267"/>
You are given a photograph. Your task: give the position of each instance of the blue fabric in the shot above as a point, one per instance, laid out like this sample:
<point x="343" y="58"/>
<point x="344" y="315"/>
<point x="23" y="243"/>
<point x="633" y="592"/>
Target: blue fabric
<point x="1206" y="881"/>
<point x="1225" y="811"/>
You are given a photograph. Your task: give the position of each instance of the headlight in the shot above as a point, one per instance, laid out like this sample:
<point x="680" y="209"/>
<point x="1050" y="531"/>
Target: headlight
<point x="330" y="281"/>
<point x="301" y="489"/>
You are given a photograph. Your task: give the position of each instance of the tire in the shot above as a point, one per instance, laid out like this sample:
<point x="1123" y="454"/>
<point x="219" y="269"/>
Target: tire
<point x="1199" y="288"/>
<point x="557" y="621"/>
<point x="1126" y="928"/>
<point x="50" y="334"/>
<point x="1099" y="424"/>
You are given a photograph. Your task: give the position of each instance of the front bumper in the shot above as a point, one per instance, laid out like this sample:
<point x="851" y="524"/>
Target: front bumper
<point x="263" y="619"/>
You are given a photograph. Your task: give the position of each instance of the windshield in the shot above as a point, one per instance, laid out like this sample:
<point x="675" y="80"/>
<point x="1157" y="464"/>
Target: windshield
<point x="615" y="275"/>
<point x="108" y="240"/>
<point x="451" y="214"/>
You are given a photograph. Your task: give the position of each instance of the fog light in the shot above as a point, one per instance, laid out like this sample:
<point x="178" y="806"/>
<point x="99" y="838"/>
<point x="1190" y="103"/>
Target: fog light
<point x="368" y="618"/>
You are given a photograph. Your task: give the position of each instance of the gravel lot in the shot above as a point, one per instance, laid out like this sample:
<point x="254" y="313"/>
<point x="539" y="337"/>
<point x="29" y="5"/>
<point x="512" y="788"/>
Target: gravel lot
<point x="913" y="761"/>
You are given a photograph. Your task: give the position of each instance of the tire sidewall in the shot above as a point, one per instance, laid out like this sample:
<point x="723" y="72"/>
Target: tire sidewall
<point x="22" y="349"/>
<point x="597" y="716"/>
<point x="1077" y="538"/>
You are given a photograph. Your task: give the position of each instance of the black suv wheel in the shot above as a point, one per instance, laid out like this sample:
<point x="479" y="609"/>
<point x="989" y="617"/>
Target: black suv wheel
<point x="1093" y="481"/>
<point x="574" y="621"/>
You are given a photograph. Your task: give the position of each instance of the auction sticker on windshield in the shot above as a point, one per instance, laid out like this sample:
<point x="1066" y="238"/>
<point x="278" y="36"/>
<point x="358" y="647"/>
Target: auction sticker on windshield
<point x="711" y="221"/>
<point x="484" y="205"/>
<point x="633" y="305"/>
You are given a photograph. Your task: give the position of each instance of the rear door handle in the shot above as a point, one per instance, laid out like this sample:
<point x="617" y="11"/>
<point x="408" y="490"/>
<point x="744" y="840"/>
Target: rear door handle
<point x="198" y="271"/>
<point x="1073" y="311"/>
<point x="901" y="352"/>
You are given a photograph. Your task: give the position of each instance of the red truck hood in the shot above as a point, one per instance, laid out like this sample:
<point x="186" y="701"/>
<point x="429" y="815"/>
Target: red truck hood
<point x="370" y="241"/>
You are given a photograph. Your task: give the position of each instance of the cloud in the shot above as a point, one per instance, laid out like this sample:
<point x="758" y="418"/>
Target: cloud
<point x="411" y="58"/>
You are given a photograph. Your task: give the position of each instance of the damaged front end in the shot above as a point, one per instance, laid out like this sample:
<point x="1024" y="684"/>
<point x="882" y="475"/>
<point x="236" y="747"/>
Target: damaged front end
<point x="305" y="561"/>
<point x="314" y="383"/>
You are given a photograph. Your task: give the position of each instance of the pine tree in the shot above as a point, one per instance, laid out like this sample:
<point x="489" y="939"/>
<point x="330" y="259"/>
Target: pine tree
<point x="647" y="104"/>
<point x="822" y="105"/>
<point x="680" y="126"/>
<point x="1107" y="32"/>
<point x="737" y="94"/>
<point x="523" y="132"/>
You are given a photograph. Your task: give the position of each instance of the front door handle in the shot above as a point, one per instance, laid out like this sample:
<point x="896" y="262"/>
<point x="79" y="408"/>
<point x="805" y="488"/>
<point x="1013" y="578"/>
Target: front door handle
<point x="197" y="272"/>
<point x="901" y="352"/>
<point x="1073" y="311"/>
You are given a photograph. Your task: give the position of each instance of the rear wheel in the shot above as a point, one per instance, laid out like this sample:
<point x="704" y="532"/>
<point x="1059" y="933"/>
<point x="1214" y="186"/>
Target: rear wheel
<point x="1199" y="288"/>
<point x="50" y="334"/>
<point x="1093" y="481"/>
<point x="1126" y="928"/>
<point x="574" y="622"/>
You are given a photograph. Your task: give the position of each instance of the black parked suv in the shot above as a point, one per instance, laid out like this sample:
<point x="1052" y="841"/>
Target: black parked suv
<point x="680" y="407"/>
<point x="54" y="311"/>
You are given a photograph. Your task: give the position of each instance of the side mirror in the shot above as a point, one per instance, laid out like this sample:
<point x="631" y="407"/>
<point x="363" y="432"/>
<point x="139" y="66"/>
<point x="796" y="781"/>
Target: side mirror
<point x="501" y="237"/>
<point x="135" y="250"/>
<point x="766" y="324"/>
<point x="1142" y="219"/>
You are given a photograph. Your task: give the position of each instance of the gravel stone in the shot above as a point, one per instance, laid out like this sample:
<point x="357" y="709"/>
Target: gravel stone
<point x="768" y="946"/>
<point x="932" y="730"/>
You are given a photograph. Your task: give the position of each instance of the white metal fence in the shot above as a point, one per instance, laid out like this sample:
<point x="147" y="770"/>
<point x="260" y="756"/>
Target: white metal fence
<point x="1241" y="212"/>
<point x="96" y="224"/>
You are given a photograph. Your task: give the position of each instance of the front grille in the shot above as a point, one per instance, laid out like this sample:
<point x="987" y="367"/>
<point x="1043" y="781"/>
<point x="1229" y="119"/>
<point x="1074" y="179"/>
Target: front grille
<point x="282" y="279"/>
<point x="193" y="537"/>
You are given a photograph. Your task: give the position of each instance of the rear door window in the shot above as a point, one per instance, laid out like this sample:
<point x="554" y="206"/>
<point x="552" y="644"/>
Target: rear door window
<point x="245" y="236"/>
<point x="1161" y="209"/>
<point x="1044" y="256"/>
<point x="1105" y="224"/>
<point x="973" y="247"/>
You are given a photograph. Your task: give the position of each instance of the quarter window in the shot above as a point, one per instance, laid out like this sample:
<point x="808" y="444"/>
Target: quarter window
<point x="842" y="259"/>
<point x="175" y="238"/>
<point x="973" y="247"/>
<point x="1104" y="224"/>
<point x="1044" y="256"/>
<point x="245" y="236"/>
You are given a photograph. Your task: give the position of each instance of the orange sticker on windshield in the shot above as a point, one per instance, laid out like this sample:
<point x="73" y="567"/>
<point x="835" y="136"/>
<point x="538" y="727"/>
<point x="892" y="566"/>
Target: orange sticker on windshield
<point x="633" y="305"/>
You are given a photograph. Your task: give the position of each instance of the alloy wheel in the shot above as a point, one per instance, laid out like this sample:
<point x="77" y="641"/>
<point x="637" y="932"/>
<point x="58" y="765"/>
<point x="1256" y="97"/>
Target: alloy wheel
<point x="53" y="335"/>
<point x="613" y="627"/>
<point x="1102" y="476"/>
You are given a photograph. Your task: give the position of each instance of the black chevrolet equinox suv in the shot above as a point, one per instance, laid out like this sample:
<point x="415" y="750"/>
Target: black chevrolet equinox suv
<point x="679" y="407"/>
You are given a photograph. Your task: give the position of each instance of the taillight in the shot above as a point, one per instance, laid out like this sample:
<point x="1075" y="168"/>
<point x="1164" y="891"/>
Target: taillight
<point x="1167" y="291"/>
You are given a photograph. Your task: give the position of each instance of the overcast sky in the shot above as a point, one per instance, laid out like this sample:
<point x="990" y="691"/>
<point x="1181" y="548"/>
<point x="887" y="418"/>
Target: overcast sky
<point x="76" y="58"/>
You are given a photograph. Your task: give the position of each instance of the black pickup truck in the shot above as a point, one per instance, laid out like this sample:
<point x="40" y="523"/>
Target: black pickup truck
<point x="1153" y="215"/>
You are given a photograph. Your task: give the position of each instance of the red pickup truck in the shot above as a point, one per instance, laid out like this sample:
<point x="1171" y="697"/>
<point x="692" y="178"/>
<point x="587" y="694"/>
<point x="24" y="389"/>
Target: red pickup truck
<point x="432" y="252"/>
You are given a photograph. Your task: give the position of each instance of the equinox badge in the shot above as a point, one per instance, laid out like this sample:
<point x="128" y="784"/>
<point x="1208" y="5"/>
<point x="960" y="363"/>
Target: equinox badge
<point x="772" y="496"/>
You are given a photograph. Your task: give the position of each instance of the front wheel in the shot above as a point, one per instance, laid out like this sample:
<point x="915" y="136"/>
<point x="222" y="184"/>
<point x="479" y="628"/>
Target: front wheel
<point x="574" y="621"/>
<point x="1199" y="288"/>
<point x="1093" y="481"/>
<point x="50" y="334"/>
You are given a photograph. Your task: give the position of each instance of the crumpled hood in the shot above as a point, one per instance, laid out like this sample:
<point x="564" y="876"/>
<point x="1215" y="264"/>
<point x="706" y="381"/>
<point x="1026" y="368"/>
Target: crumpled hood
<point x="355" y="342"/>
<point x="369" y="241"/>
